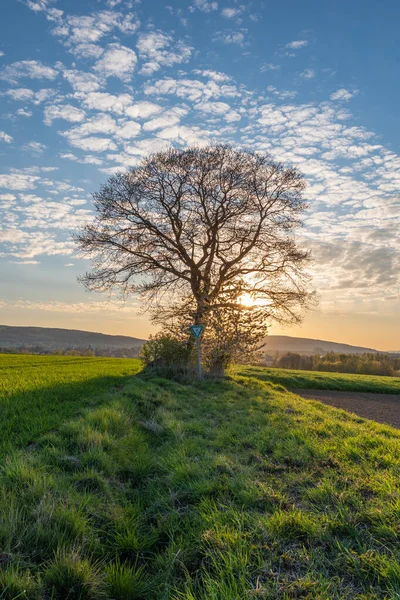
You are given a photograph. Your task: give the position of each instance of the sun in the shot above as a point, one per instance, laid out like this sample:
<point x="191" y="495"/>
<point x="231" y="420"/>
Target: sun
<point x="247" y="300"/>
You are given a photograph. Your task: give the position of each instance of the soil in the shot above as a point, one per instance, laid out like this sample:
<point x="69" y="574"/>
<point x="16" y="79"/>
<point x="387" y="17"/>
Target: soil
<point x="383" y="408"/>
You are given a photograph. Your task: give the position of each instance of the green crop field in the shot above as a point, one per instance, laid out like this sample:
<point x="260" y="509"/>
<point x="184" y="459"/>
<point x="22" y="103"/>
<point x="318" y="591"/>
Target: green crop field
<point x="39" y="392"/>
<point x="127" y="485"/>
<point x="317" y="380"/>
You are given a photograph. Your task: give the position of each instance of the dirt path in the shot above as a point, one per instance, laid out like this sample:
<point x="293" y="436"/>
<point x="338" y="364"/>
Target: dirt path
<point x="384" y="408"/>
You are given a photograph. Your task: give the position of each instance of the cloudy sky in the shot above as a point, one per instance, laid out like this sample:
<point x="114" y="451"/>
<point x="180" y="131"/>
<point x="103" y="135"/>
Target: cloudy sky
<point x="89" y="87"/>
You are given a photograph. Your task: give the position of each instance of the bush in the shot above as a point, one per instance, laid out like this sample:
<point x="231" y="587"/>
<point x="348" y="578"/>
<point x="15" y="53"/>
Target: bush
<point x="168" y="355"/>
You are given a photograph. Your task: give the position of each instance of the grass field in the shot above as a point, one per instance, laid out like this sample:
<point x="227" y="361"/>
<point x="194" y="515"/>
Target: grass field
<point x="40" y="392"/>
<point x="226" y="490"/>
<point x="316" y="380"/>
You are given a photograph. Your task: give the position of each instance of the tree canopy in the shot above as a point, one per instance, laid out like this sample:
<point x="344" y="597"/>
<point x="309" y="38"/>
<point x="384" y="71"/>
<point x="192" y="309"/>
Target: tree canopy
<point x="198" y="231"/>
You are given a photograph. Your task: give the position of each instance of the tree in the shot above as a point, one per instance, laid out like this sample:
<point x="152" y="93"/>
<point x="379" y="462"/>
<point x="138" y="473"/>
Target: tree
<point x="199" y="232"/>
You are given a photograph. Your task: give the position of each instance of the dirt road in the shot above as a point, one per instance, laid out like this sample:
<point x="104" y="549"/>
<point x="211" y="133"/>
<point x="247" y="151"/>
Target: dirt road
<point x="384" y="408"/>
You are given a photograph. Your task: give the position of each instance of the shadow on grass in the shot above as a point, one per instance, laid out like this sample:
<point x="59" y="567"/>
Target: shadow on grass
<point x="27" y="415"/>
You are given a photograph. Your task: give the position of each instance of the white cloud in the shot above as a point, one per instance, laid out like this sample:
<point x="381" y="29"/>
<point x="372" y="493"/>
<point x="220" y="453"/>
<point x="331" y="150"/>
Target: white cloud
<point x="190" y="89"/>
<point x="154" y="48"/>
<point x="82" y="81"/>
<point x="234" y="37"/>
<point x="38" y="5"/>
<point x="54" y="15"/>
<point x="281" y="94"/>
<point x="2" y="54"/>
<point x="297" y="44"/>
<point x="117" y="61"/>
<point x="22" y="94"/>
<point x="99" y="124"/>
<point x="107" y="102"/>
<point x="143" y="110"/>
<point x="30" y="198"/>
<point x="126" y="23"/>
<point x="204" y="6"/>
<point x="147" y="146"/>
<point x="43" y="243"/>
<point x="69" y="156"/>
<point x="166" y="119"/>
<point x="67" y="112"/>
<point x="12" y="235"/>
<point x="307" y="74"/>
<point x="82" y="136"/>
<point x="311" y="137"/>
<point x="184" y="135"/>
<point x="343" y="94"/>
<point x="18" y="181"/>
<point x="113" y="170"/>
<point x="123" y="159"/>
<point x="216" y="76"/>
<point x="86" y="50"/>
<point x="28" y="95"/>
<point x="92" y="144"/>
<point x="21" y="112"/>
<point x="80" y="33"/>
<point x="87" y="159"/>
<point x="128" y="130"/>
<point x="32" y="69"/>
<point x="5" y="137"/>
<point x="44" y="214"/>
<point x="269" y="67"/>
<point x="231" y="13"/>
<point x="34" y="148"/>
<point x="83" y="29"/>
<point x="218" y="109"/>
<point x="43" y="95"/>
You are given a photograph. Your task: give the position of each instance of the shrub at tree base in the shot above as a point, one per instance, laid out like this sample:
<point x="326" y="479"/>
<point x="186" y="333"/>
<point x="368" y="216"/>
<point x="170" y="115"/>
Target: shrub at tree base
<point x="168" y="355"/>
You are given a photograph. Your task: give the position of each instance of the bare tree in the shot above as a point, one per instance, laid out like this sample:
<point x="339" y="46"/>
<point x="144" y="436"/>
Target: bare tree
<point x="196" y="231"/>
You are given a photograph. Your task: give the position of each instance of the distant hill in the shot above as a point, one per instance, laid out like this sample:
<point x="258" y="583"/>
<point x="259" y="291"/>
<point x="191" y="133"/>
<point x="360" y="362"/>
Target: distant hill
<point x="285" y="343"/>
<point x="61" y="339"/>
<point x="53" y="339"/>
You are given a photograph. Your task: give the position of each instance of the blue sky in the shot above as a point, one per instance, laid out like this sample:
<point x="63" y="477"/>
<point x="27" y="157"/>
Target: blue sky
<point x="90" y="87"/>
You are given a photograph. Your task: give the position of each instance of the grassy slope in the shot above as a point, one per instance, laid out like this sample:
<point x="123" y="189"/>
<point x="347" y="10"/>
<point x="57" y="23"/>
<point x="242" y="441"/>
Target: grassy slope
<point x="216" y="491"/>
<point x="317" y="380"/>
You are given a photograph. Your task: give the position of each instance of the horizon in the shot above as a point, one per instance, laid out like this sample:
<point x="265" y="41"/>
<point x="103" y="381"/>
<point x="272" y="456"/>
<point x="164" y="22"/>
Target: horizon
<point x="145" y="339"/>
<point x="93" y="88"/>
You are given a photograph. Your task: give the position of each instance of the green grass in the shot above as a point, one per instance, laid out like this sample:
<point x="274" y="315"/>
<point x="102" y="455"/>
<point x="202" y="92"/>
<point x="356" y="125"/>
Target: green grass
<point x="225" y="490"/>
<point x="38" y="392"/>
<point x="316" y="380"/>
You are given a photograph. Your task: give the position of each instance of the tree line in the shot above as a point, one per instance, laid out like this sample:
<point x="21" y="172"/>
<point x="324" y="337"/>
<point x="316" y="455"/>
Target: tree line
<point x="363" y="364"/>
<point x="76" y="351"/>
